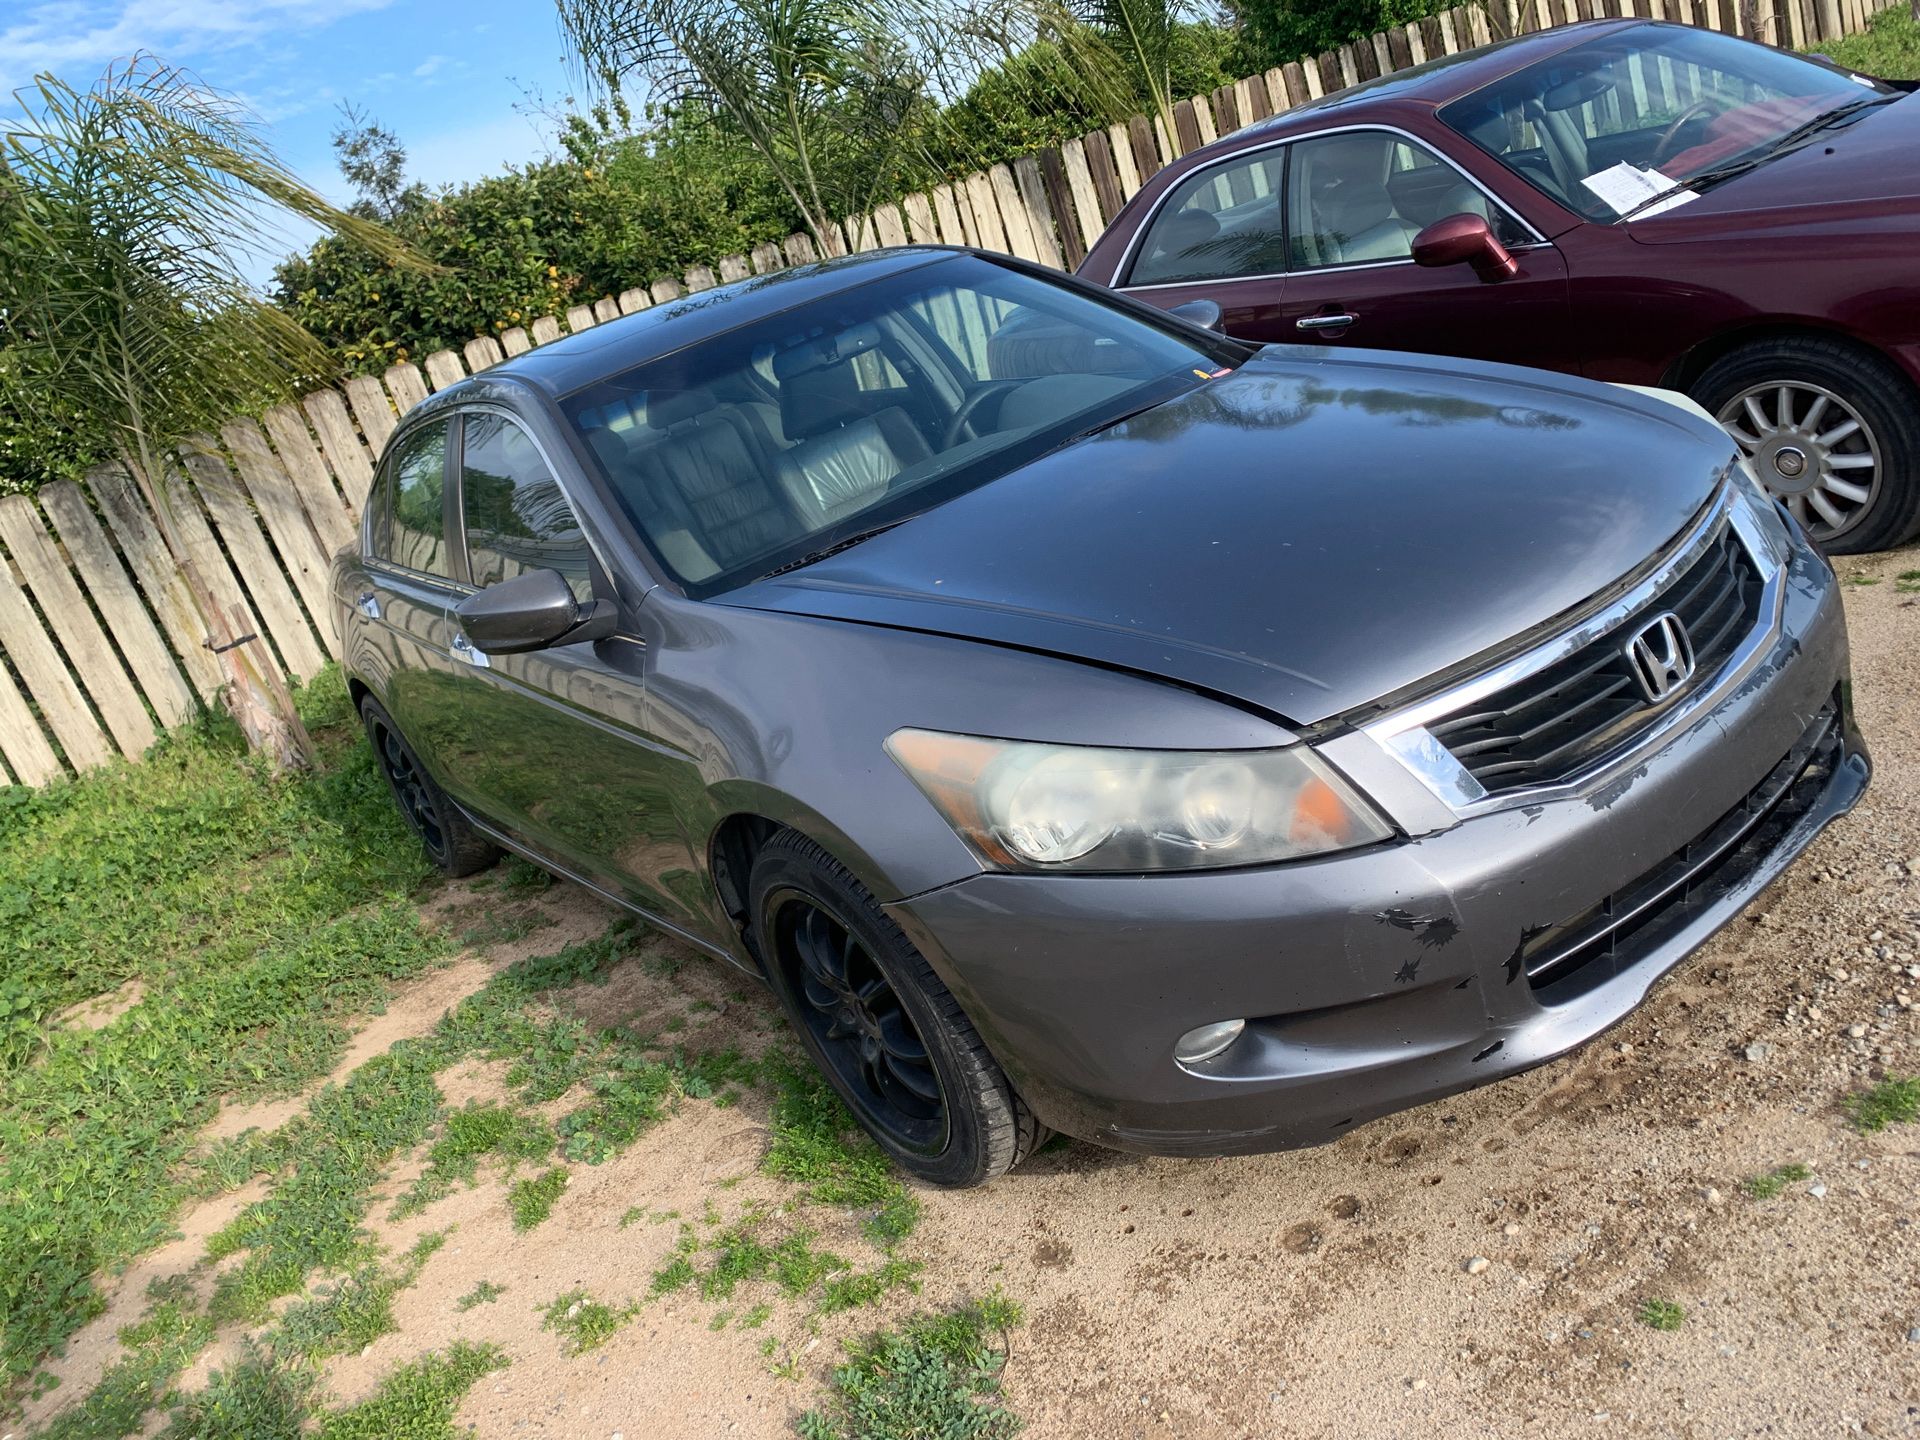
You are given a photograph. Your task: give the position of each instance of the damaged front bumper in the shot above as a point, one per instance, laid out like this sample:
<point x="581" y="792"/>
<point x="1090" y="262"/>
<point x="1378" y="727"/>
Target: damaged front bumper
<point x="1385" y="978"/>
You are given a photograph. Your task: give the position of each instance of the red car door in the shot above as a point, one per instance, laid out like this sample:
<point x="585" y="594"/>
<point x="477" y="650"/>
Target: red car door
<point x="1354" y="202"/>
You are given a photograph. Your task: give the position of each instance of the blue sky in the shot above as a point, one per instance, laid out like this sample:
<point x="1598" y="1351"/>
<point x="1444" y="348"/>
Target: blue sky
<point x="445" y="77"/>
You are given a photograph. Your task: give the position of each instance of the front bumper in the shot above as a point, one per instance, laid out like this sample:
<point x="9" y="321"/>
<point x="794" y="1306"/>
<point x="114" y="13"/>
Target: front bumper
<point x="1389" y="977"/>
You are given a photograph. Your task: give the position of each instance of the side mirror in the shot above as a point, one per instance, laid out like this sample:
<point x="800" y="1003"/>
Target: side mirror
<point x="1204" y="313"/>
<point x="1465" y="239"/>
<point x="534" y="611"/>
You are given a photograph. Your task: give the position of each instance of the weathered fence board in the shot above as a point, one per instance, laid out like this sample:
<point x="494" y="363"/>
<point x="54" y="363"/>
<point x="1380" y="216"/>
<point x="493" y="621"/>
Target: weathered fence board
<point x="47" y="679"/>
<point x="161" y="580"/>
<point x="70" y="618"/>
<point x="28" y="754"/>
<point x="119" y="604"/>
<point x="306" y="470"/>
<point x="302" y="555"/>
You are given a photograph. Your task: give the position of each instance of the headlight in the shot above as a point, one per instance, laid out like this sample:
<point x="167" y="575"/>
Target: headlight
<point x="1070" y="807"/>
<point x="1765" y="524"/>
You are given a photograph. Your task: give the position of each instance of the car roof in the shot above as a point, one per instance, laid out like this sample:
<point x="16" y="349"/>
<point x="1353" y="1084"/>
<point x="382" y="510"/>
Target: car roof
<point x="1445" y="78"/>
<point x="563" y="366"/>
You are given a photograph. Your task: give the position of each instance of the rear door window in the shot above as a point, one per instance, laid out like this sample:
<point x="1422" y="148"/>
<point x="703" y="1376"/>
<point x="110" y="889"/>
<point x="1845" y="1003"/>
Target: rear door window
<point x="1220" y="223"/>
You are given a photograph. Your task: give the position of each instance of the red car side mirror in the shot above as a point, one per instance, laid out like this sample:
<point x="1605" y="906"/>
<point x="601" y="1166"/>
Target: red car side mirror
<point x="1465" y="239"/>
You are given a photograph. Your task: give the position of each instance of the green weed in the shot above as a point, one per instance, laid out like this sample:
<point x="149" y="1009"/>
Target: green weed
<point x="417" y="1401"/>
<point x="1771" y="1183"/>
<point x="937" y="1377"/>
<point x="582" y="1322"/>
<point x="1889" y="47"/>
<point x="259" y="1397"/>
<point x="1661" y="1315"/>
<point x="467" y="1136"/>
<point x="817" y="1146"/>
<point x="485" y="1293"/>
<point x="533" y="1200"/>
<point x="1891" y="1102"/>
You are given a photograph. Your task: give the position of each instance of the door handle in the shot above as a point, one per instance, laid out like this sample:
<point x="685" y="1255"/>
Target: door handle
<point x="369" y="604"/>
<point x="461" y="648"/>
<point x="1324" y="322"/>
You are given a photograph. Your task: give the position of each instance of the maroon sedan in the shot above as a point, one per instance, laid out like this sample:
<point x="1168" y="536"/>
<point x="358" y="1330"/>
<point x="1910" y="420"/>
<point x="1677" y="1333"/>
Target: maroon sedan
<point x="1632" y="201"/>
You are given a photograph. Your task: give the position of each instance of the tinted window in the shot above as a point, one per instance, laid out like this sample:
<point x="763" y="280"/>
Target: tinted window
<point x="516" y="517"/>
<point x="1361" y="197"/>
<point x="1219" y="223"/>
<point x="774" y="439"/>
<point x="1671" y="100"/>
<point x="418" y="527"/>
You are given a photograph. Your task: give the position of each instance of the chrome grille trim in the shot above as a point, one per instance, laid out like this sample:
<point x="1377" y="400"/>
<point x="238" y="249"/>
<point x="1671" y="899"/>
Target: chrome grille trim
<point x="1404" y="733"/>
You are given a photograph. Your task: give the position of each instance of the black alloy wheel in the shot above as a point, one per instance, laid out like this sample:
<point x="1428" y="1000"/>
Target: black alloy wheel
<point x="887" y="1034"/>
<point x="862" y="1028"/>
<point x="450" y="841"/>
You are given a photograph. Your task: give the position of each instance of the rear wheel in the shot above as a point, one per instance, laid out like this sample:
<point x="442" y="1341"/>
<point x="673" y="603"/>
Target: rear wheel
<point x="1832" y="430"/>
<point x="888" y="1036"/>
<point x="449" y="840"/>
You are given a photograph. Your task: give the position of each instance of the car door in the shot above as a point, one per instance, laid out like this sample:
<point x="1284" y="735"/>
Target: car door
<point x="1219" y="235"/>
<point x="553" y="749"/>
<point x="412" y="585"/>
<point x="1355" y="200"/>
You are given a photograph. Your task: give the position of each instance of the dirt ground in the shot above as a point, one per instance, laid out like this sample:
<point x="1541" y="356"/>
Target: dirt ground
<point x="1323" y="1292"/>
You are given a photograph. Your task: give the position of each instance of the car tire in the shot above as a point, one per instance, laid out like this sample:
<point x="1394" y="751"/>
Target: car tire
<point x="807" y="910"/>
<point x="449" y="839"/>
<point x="1743" y="388"/>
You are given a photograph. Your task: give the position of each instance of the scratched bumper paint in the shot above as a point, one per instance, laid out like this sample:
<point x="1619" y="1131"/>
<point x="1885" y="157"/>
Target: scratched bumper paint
<point x="1379" y="979"/>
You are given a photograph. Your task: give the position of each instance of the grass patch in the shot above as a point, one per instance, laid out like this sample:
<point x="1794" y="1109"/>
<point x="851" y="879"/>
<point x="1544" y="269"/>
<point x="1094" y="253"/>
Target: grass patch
<point x="258" y="913"/>
<point x="582" y="1322"/>
<point x="260" y="1397"/>
<point x="1863" y="579"/>
<point x="159" y="1347"/>
<point x="817" y="1146"/>
<point x="355" y="1310"/>
<point x="1891" y="1102"/>
<point x="1907" y="582"/>
<point x="937" y="1377"/>
<point x="485" y="1293"/>
<point x="1889" y="47"/>
<point x="467" y="1136"/>
<point x="1660" y="1315"/>
<point x="533" y="1200"/>
<point x="417" y="1401"/>
<point x="1773" y="1182"/>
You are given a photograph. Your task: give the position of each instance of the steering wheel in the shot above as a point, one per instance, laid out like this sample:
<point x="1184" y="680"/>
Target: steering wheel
<point x="968" y="406"/>
<point x="1663" y="147"/>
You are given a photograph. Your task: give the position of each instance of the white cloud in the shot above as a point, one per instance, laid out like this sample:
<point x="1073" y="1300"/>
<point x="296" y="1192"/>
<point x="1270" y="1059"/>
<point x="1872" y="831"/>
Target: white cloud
<point x="427" y="66"/>
<point x="76" y="37"/>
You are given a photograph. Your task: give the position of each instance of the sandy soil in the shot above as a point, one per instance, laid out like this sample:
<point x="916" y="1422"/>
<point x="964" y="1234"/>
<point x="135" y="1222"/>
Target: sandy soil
<point x="1328" y="1292"/>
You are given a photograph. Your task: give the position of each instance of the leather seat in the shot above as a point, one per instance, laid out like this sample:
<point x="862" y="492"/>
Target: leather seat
<point x="713" y="464"/>
<point x="1358" y="222"/>
<point x="841" y="458"/>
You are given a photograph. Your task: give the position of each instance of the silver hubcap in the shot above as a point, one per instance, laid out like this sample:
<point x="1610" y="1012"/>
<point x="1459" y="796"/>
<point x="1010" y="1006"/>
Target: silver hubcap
<point x="1811" y="448"/>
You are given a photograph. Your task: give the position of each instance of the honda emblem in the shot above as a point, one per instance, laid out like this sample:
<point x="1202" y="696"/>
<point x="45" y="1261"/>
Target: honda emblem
<point x="1660" y="656"/>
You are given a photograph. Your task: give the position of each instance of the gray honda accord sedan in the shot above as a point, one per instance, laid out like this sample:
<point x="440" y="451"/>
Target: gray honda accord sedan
<point x="1083" y="721"/>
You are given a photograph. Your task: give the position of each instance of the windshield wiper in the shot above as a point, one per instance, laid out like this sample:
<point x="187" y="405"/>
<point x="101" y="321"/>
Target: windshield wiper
<point x="1790" y="141"/>
<point x="845" y="542"/>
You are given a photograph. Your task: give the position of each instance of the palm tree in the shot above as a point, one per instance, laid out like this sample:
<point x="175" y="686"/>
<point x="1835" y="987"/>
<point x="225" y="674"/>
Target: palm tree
<point x="830" y="93"/>
<point x="125" y="213"/>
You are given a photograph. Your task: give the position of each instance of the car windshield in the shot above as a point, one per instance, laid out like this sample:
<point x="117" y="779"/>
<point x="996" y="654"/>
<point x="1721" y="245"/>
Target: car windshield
<point x="1624" y="123"/>
<point x="769" y="444"/>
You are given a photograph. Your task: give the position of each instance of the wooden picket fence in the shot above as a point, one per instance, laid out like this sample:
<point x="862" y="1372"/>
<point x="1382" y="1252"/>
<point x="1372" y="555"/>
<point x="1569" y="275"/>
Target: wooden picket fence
<point x="99" y="648"/>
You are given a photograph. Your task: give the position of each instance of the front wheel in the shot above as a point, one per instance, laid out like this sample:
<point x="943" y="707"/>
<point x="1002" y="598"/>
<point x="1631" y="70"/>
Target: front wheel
<point x="888" y="1036"/>
<point x="1830" y="429"/>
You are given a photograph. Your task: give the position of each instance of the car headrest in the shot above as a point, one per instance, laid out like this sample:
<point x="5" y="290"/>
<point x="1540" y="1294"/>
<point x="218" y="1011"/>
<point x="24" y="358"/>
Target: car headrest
<point x="1355" y="206"/>
<point x="827" y="350"/>
<point x="611" y="449"/>
<point x="667" y="408"/>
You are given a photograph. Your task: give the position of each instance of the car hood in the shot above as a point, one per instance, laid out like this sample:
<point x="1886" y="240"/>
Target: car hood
<point x="1867" y="170"/>
<point x="1305" y="535"/>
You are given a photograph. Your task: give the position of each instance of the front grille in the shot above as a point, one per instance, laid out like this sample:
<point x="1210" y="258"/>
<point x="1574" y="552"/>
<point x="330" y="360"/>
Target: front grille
<point x="1547" y="727"/>
<point x="1572" y="957"/>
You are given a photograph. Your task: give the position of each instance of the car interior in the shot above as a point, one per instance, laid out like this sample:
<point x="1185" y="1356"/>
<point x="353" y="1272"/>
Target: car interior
<point x="817" y="428"/>
<point x="1354" y="198"/>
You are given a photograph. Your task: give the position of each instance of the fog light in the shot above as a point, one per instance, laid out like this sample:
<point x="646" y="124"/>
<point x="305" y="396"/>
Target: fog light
<point x="1203" y="1042"/>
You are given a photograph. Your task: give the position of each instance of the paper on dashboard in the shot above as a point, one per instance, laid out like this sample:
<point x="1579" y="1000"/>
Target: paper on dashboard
<point x="1625" y="187"/>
